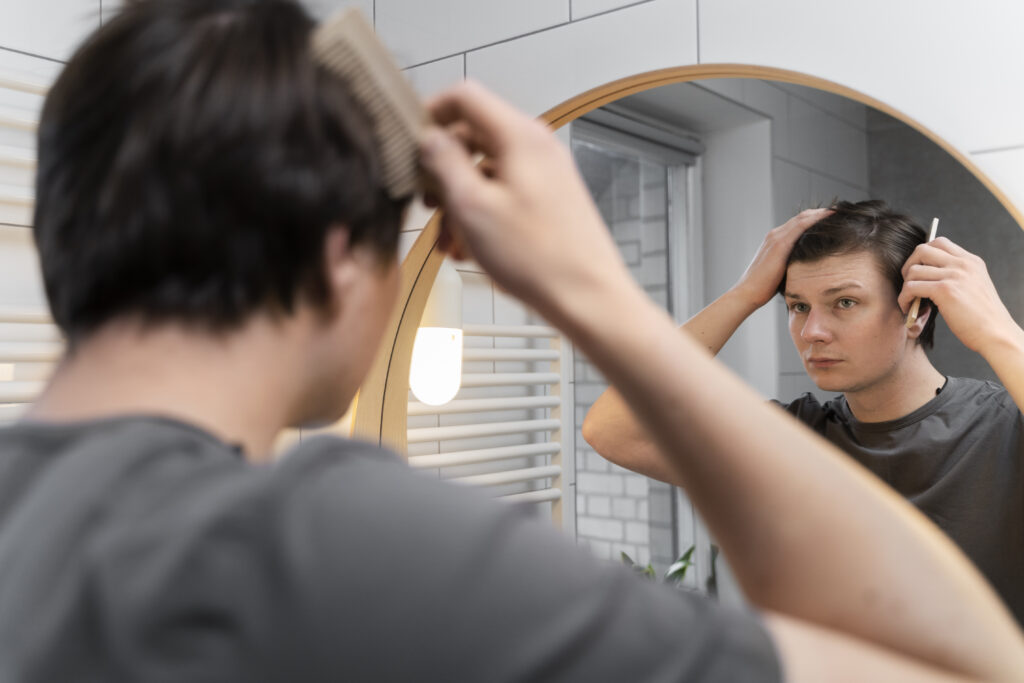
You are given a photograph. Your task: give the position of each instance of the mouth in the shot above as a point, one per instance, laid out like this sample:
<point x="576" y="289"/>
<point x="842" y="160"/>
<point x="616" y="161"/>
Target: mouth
<point x="823" y="362"/>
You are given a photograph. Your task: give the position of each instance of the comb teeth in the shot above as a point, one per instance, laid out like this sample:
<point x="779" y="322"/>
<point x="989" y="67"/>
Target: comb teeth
<point x="347" y="46"/>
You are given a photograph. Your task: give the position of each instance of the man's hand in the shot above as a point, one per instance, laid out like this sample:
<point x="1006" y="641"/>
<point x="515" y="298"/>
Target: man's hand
<point x="524" y="214"/>
<point x="765" y="272"/>
<point x="958" y="283"/>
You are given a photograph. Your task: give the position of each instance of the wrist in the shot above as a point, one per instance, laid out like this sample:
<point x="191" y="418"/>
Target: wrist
<point x="744" y="300"/>
<point x="1008" y="342"/>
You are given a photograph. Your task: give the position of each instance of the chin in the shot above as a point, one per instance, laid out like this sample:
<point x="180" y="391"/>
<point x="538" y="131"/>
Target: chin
<point x="826" y="383"/>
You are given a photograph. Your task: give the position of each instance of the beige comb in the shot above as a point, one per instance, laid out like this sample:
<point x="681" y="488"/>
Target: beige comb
<point x="915" y="307"/>
<point x="348" y="47"/>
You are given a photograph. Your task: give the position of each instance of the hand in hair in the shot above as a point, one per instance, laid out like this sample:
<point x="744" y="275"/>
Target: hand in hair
<point x="526" y="204"/>
<point x="766" y="271"/>
<point x="958" y="283"/>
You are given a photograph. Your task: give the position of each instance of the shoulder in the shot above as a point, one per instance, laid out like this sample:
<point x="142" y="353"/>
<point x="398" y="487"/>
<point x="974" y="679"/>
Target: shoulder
<point x="977" y="395"/>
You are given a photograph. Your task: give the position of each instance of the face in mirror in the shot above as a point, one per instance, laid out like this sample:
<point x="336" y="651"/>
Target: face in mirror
<point x="690" y="179"/>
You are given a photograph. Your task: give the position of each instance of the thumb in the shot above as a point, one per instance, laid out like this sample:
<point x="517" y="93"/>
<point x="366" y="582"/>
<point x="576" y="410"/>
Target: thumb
<point x="449" y="162"/>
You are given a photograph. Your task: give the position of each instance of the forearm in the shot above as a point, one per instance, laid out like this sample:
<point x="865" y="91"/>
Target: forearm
<point x="1006" y="357"/>
<point x="713" y="326"/>
<point x="612" y="429"/>
<point x="780" y="500"/>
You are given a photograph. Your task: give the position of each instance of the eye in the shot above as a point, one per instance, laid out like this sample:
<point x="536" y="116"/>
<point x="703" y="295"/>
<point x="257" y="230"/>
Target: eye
<point x="798" y="307"/>
<point x="845" y="303"/>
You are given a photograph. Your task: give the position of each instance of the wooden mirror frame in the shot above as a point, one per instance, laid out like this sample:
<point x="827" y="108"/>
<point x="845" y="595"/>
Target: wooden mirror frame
<point x="380" y="411"/>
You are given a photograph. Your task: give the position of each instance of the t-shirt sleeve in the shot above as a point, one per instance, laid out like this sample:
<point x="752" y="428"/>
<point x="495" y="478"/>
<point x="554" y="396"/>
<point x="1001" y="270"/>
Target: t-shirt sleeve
<point x="405" y="578"/>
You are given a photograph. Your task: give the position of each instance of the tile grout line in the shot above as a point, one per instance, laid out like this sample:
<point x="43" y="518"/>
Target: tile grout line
<point x="32" y="54"/>
<point x="993" y="150"/>
<point x="527" y="34"/>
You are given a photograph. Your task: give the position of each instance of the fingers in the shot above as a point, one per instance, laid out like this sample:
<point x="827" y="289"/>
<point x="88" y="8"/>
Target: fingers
<point x="790" y="231"/>
<point x="918" y="289"/>
<point x="932" y="254"/>
<point x="492" y="121"/>
<point x="919" y="271"/>
<point x="444" y="157"/>
<point x="949" y="246"/>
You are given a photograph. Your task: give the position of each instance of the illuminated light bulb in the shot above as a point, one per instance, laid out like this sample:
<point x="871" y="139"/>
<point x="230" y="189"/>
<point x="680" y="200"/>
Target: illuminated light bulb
<point x="435" y="373"/>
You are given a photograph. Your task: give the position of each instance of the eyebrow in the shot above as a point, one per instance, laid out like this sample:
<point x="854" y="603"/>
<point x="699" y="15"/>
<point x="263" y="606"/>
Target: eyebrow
<point x="830" y="291"/>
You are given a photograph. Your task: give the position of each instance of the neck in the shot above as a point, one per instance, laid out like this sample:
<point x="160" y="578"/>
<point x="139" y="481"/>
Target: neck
<point x="909" y="386"/>
<point x="238" y="387"/>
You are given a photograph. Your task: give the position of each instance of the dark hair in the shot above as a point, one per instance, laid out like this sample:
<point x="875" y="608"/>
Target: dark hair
<point x="192" y="159"/>
<point x="867" y="226"/>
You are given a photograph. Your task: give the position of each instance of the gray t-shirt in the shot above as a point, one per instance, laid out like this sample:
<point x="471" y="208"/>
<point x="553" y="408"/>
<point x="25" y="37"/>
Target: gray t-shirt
<point x="143" y="549"/>
<point x="959" y="458"/>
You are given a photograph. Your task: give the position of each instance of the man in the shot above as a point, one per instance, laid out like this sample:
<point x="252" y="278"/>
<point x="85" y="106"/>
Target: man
<point x="217" y="248"/>
<point x="953" y="446"/>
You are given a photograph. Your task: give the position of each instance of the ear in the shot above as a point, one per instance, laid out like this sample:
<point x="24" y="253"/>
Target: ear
<point x="924" y="314"/>
<point x="340" y="263"/>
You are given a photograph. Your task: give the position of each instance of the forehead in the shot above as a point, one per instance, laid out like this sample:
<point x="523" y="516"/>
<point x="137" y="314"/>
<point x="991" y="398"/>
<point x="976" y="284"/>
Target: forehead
<point x="861" y="268"/>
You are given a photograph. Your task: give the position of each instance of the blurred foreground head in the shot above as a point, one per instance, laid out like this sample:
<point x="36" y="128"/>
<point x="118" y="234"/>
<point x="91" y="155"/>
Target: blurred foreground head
<point x="192" y="159"/>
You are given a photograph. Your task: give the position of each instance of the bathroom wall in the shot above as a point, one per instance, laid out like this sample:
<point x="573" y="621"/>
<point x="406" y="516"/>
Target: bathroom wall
<point x="541" y="52"/>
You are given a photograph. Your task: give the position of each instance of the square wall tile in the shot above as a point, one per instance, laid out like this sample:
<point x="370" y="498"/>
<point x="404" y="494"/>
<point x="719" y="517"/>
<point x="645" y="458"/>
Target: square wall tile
<point x="1006" y="168"/>
<point x="764" y="97"/>
<point x="808" y="135"/>
<point x="847" y="152"/>
<point x="949" y="65"/>
<point x="50" y="29"/>
<point x="580" y="9"/>
<point x="431" y="78"/>
<point x="109" y="8"/>
<point x="418" y="31"/>
<point x="791" y="186"/>
<point x="851" y="111"/>
<point x="825" y="189"/>
<point x="477" y="299"/>
<point x="539" y="71"/>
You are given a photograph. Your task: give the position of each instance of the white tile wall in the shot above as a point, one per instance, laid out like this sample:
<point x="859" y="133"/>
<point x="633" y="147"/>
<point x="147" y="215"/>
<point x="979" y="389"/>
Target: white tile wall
<point x="945" y="63"/>
<point x="792" y="187"/>
<point x="420" y="31"/>
<point x="50" y="29"/>
<point x="849" y="110"/>
<point x="825" y="189"/>
<point x="1006" y="168"/>
<point x="771" y="101"/>
<point x="581" y="9"/>
<point x="431" y="78"/>
<point x="21" y="283"/>
<point x="108" y="8"/>
<point x="537" y="72"/>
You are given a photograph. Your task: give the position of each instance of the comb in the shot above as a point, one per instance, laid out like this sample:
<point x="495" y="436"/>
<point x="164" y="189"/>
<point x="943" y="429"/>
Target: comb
<point x="347" y="46"/>
<point x="915" y="307"/>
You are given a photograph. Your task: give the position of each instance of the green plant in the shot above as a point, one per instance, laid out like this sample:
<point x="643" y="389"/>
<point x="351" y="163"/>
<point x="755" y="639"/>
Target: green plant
<point x="674" y="574"/>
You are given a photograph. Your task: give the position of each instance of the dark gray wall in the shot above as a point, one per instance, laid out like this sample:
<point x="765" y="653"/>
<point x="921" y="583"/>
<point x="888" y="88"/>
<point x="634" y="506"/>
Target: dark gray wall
<point x="916" y="176"/>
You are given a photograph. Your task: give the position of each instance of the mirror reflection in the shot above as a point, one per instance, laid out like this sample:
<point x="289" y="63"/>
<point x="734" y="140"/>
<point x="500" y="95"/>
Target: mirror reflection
<point x="690" y="178"/>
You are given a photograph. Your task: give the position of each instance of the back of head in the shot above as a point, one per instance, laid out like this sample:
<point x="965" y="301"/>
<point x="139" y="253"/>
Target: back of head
<point x="873" y="227"/>
<point x="192" y="158"/>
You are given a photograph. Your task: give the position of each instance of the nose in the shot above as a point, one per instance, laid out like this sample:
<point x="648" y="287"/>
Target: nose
<point x="815" y="328"/>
